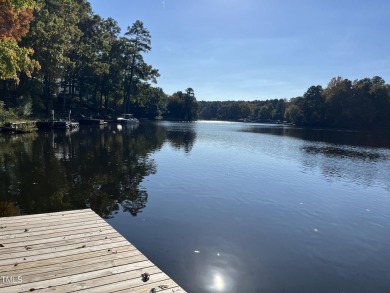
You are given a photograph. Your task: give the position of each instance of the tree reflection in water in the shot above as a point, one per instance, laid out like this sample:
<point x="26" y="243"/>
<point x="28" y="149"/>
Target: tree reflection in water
<point x="184" y="138"/>
<point x="100" y="168"/>
<point x="337" y="153"/>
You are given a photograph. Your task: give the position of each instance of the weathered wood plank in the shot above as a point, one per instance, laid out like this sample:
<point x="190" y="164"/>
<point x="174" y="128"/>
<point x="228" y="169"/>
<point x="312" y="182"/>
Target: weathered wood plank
<point x="133" y="278"/>
<point x="23" y="229"/>
<point x="132" y="285"/>
<point x="89" y="256"/>
<point x="54" y="250"/>
<point x="19" y="260"/>
<point x="28" y="220"/>
<point x="161" y="284"/>
<point x="132" y="263"/>
<point x="44" y="246"/>
<point x="53" y="237"/>
<point x="42" y="284"/>
<point x="44" y="231"/>
<point x="44" y="216"/>
<point x="70" y="252"/>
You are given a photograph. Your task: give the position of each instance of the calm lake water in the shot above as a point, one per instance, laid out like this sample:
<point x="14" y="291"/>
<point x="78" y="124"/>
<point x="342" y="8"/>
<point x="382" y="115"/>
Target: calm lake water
<point x="221" y="207"/>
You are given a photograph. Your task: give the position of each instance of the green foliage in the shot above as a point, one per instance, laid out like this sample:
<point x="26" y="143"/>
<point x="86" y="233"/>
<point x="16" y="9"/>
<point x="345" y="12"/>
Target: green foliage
<point x="149" y="102"/>
<point x="183" y="106"/>
<point x="5" y="115"/>
<point x="361" y="104"/>
<point x="261" y="111"/>
<point x="15" y="59"/>
<point x="85" y="65"/>
<point x="14" y="22"/>
<point x="21" y="4"/>
<point x="294" y="113"/>
<point x="24" y="107"/>
<point x="136" y="42"/>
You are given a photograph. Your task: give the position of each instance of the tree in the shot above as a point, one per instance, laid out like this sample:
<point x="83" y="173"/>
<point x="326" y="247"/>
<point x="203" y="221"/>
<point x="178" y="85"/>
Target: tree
<point x="90" y="60"/>
<point x="313" y="106"/>
<point x="175" y="105"/>
<point x="137" y="41"/>
<point x="293" y="114"/>
<point x="15" y="17"/>
<point x="150" y="101"/>
<point x="338" y="97"/>
<point x="85" y="65"/>
<point x="245" y="109"/>
<point x="380" y="95"/>
<point x="370" y="103"/>
<point x="111" y="80"/>
<point x="53" y="34"/>
<point x="361" y="104"/>
<point x="15" y="59"/>
<point x="190" y="105"/>
<point x="208" y="110"/>
<point x="183" y="106"/>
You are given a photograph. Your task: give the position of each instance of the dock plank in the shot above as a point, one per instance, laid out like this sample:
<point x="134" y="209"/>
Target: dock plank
<point x="19" y="260"/>
<point x="69" y="260"/>
<point x="52" y="218"/>
<point x="24" y="218"/>
<point x="68" y="230"/>
<point x="73" y="251"/>
<point x="53" y="237"/>
<point x="47" y="247"/>
<point x="23" y="229"/>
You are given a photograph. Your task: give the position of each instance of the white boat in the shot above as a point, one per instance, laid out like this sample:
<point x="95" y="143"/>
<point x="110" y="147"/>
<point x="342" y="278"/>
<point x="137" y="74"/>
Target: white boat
<point x="126" y="119"/>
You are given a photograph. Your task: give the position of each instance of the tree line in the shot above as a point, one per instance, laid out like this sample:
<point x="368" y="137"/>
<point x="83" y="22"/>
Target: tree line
<point x="359" y="104"/>
<point x="59" y="55"/>
<point x="260" y="111"/>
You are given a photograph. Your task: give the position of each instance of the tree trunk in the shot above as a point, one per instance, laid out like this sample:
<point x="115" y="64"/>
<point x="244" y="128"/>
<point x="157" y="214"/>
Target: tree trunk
<point x="46" y="93"/>
<point x="7" y="94"/>
<point x="63" y="97"/>
<point x="128" y="95"/>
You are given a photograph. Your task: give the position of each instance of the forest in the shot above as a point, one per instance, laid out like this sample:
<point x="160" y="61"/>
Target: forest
<point x="60" y="55"/>
<point x="359" y="104"/>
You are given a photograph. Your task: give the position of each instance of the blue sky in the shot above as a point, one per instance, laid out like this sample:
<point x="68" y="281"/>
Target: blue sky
<point x="258" y="49"/>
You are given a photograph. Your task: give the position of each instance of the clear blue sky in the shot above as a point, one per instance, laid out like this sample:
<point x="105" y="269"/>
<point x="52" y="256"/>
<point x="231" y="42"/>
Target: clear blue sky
<point x="258" y="49"/>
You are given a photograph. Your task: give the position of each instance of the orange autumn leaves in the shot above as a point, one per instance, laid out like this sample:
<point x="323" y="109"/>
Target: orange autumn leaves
<point x="14" y="24"/>
<point x="15" y="17"/>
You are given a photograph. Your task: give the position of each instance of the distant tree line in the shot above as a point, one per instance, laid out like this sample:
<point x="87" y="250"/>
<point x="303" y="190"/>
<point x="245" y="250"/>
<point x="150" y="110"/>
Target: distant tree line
<point x="362" y="104"/>
<point x="262" y="111"/>
<point x="359" y="104"/>
<point x="59" y="55"/>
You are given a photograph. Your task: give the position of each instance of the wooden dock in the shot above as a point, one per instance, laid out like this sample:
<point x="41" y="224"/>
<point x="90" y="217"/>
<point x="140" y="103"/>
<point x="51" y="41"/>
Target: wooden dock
<point x="91" y="121"/>
<point x="73" y="251"/>
<point x="57" y="125"/>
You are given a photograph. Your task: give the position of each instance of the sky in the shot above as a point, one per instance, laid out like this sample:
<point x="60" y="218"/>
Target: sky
<point x="258" y="49"/>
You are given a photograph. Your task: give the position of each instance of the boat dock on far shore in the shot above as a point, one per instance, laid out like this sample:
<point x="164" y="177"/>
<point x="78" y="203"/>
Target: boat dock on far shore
<point x="91" y="121"/>
<point x="57" y="124"/>
<point x="19" y="127"/>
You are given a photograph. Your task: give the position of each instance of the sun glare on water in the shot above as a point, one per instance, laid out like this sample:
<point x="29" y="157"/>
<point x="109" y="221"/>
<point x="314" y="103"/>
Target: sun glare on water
<point x="219" y="283"/>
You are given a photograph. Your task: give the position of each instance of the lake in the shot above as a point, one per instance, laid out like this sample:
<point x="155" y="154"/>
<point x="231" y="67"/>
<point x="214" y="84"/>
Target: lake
<point x="219" y="206"/>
